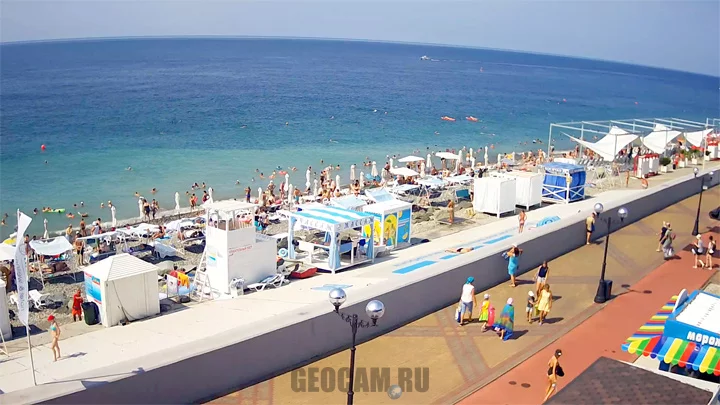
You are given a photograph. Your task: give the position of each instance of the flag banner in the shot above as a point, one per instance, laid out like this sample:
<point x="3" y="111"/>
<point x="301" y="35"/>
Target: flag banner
<point x="21" y="274"/>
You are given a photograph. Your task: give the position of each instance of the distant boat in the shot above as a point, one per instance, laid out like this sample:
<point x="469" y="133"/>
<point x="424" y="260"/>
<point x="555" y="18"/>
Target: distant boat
<point x="446" y="118"/>
<point x="424" y="58"/>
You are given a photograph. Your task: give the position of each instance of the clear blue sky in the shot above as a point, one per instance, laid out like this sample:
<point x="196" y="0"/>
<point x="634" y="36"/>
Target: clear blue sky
<point x="676" y="34"/>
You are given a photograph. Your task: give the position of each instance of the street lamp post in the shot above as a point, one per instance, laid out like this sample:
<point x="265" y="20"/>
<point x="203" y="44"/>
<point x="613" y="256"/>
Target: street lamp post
<point x="703" y="187"/>
<point x="602" y="291"/>
<point x="374" y="309"/>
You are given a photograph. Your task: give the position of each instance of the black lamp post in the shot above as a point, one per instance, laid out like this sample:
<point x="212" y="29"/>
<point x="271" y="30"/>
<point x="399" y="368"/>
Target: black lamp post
<point x="703" y="187"/>
<point x="375" y="310"/>
<point x="603" y="287"/>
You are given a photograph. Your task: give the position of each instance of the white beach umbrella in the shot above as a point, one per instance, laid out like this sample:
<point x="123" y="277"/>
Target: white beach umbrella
<point x="337" y="181"/>
<point x="210" y="195"/>
<point x="487" y="159"/>
<point x="392" y="164"/>
<point x="422" y="168"/>
<point x="362" y="179"/>
<point x="290" y="193"/>
<point x="374" y="172"/>
<point x="472" y="162"/>
<point x="458" y="163"/>
<point x="307" y="179"/>
<point x="287" y="181"/>
<point x="472" y="154"/>
<point x="260" y="194"/>
<point x="500" y="157"/>
<point x="428" y="164"/>
<point x="45" y="234"/>
<point x="140" y="206"/>
<point x="352" y="173"/>
<point x="177" y="201"/>
<point x="315" y="188"/>
<point x="112" y="216"/>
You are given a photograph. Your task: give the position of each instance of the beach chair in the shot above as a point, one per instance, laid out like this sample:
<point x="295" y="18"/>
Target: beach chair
<point x="39" y="300"/>
<point x="275" y="281"/>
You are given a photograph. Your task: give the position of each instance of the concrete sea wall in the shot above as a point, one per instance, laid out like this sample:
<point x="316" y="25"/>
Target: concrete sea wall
<point x="414" y="295"/>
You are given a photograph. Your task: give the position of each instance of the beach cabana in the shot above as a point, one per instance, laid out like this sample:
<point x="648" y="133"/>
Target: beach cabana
<point x="685" y="332"/>
<point x="392" y="226"/>
<point x="528" y="188"/>
<point x="58" y="258"/>
<point x="563" y="183"/>
<point x="348" y="202"/>
<point x="332" y="254"/>
<point x="123" y="287"/>
<point x="658" y="140"/>
<point x="610" y="145"/>
<point x="698" y="138"/>
<point x="494" y="195"/>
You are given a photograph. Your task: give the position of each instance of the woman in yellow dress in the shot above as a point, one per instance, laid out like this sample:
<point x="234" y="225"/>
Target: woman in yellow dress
<point x="544" y="303"/>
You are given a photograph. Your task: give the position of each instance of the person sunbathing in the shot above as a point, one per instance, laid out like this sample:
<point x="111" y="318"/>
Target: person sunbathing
<point x="160" y="233"/>
<point x="460" y="250"/>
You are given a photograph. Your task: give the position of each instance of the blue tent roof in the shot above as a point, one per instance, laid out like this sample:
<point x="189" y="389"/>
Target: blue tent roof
<point x="563" y="168"/>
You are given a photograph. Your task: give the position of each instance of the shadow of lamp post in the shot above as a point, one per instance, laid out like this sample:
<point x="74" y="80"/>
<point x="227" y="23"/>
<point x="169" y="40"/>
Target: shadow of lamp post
<point x="703" y="187"/>
<point x="605" y="287"/>
<point x="375" y="310"/>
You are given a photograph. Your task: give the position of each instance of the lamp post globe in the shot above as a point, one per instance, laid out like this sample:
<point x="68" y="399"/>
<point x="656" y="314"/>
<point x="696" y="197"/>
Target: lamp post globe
<point x="337" y="297"/>
<point x="622" y="213"/>
<point x="375" y="310"/>
<point x="598" y="208"/>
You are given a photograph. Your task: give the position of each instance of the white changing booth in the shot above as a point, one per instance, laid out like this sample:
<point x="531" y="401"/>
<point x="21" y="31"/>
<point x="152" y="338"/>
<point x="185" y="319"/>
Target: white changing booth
<point x="494" y="195"/>
<point x="528" y="188"/>
<point x="123" y="287"/>
<point x="232" y="249"/>
<point x="392" y="225"/>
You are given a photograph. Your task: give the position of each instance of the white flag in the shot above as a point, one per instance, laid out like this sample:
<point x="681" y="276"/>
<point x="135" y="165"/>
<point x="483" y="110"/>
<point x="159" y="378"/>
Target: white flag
<point x="21" y="275"/>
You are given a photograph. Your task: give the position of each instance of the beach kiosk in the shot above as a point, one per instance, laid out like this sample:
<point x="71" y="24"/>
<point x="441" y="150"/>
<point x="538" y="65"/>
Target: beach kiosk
<point x="232" y="248"/>
<point x="392" y="224"/>
<point x="494" y="195"/>
<point x="563" y="183"/>
<point x="124" y="288"/>
<point x="685" y="332"/>
<point x="332" y="254"/>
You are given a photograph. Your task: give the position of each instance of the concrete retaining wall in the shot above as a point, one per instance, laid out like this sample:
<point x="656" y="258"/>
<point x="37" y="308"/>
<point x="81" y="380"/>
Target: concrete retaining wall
<point x="256" y="359"/>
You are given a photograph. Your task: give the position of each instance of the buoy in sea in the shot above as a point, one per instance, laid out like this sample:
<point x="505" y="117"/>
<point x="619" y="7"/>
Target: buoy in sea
<point x="42" y="147"/>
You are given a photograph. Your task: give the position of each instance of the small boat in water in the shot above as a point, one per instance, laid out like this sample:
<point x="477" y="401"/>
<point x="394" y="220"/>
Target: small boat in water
<point x="472" y="119"/>
<point x="446" y="118"/>
<point x="425" y="57"/>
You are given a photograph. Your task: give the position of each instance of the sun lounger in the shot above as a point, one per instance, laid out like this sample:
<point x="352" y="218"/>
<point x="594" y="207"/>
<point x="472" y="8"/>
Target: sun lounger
<point x="270" y="281"/>
<point x="39" y="300"/>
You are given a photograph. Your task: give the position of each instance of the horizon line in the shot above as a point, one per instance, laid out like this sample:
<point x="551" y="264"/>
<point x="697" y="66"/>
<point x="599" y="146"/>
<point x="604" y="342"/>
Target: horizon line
<point x="433" y="44"/>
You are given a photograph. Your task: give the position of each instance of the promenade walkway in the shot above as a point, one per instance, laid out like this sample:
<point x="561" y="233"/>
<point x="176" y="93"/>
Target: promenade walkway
<point x="464" y="359"/>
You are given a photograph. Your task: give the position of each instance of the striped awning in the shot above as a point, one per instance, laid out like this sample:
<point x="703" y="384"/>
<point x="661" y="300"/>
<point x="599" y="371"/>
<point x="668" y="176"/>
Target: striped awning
<point x="331" y="219"/>
<point x="650" y="341"/>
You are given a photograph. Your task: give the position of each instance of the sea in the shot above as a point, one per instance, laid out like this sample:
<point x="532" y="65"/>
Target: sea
<point x="222" y="111"/>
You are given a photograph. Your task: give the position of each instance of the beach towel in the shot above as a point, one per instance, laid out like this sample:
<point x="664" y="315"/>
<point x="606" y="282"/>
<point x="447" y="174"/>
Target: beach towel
<point x="506" y="321"/>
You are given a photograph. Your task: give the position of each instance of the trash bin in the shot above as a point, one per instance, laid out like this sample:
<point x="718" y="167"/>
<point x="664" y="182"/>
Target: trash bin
<point x="90" y="313"/>
<point x="237" y="287"/>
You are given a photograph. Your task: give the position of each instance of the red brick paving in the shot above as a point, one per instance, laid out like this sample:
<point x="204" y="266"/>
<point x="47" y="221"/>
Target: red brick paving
<point x="600" y="335"/>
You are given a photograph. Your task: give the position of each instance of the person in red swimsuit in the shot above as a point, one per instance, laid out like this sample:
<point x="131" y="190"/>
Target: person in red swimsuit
<point x="77" y="306"/>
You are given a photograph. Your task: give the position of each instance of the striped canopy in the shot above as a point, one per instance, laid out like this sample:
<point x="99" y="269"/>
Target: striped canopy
<point x="650" y="341"/>
<point x="331" y="219"/>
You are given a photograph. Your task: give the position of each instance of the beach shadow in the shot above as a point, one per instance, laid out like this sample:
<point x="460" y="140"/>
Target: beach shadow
<point x="519" y="282"/>
<point x="553" y="320"/>
<point x="196" y="248"/>
<point x="557" y="298"/>
<point x="517" y="334"/>
<point x="74" y="355"/>
<point x="20" y="331"/>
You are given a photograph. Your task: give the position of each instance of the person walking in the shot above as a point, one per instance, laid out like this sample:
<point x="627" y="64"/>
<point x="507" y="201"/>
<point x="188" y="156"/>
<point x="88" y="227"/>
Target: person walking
<point x="554" y="371"/>
<point x="544" y="302"/>
<point x="698" y="251"/>
<point x="451" y="212"/>
<point x="467" y="300"/>
<point x="541" y="277"/>
<point x="711" y="248"/>
<point x="589" y="227"/>
<point x="666" y="242"/>
<point x="485" y="312"/>
<point x="661" y="236"/>
<point x="522" y="217"/>
<point x="55" y="334"/>
<point x="77" y="306"/>
<point x="506" y="322"/>
<point x="530" y="308"/>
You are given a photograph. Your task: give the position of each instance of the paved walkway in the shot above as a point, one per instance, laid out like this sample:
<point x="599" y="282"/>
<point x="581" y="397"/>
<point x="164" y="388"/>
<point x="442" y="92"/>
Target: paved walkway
<point x="462" y="360"/>
<point x="526" y="383"/>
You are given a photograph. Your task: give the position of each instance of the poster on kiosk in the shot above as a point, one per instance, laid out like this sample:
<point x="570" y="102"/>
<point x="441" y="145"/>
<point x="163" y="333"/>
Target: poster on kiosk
<point x="392" y="224"/>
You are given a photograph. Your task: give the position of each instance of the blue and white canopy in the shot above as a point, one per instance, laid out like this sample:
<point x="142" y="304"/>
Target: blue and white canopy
<point x="331" y="219"/>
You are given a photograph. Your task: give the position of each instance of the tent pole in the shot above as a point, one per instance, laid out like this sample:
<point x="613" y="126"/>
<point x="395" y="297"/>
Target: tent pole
<point x="550" y="141"/>
<point x="27" y="333"/>
<point x="582" y="137"/>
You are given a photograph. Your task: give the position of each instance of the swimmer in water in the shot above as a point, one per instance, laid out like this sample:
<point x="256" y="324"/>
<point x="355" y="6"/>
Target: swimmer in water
<point x="46" y="162"/>
<point x="287" y="123"/>
<point x="129" y="168"/>
<point x="137" y="194"/>
<point x="154" y="190"/>
<point x="35" y="211"/>
<point x="82" y="203"/>
<point x="102" y="205"/>
<point x="253" y="179"/>
<point x="2" y="222"/>
<point x="237" y="182"/>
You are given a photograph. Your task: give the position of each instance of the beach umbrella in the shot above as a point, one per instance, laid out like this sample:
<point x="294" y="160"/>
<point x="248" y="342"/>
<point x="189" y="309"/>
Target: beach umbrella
<point x="471" y="153"/>
<point x="177" y="201"/>
<point x="458" y="163"/>
<point x="45" y="234"/>
<point x="210" y="195"/>
<point x="422" y="168"/>
<point x="337" y="181"/>
<point x="428" y="164"/>
<point x="290" y="193"/>
<point x="260" y="195"/>
<point x="410" y="159"/>
<point x="315" y="189"/>
<point x="500" y="157"/>
<point x="307" y="179"/>
<point x="112" y="216"/>
<point x="287" y="181"/>
<point x="487" y="159"/>
<point x="392" y="164"/>
<point x="140" y="206"/>
<point x="352" y="173"/>
<point x="362" y="179"/>
<point x="374" y="172"/>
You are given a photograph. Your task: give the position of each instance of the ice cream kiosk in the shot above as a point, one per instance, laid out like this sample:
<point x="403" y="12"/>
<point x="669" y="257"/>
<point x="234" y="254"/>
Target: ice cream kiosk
<point x="392" y="224"/>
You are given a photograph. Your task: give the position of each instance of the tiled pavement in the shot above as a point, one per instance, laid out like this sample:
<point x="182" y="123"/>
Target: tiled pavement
<point x="464" y="359"/>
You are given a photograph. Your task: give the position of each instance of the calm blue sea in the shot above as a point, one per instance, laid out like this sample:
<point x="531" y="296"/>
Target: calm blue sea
<point x="185" y="110"/>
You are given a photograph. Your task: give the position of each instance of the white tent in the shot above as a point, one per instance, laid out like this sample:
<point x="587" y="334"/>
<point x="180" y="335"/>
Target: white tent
<point x="447" y="155"/>
<point x="54" y="247"/>
<point x="349" y="202"/>
<point x="697" y="138"/>
<point x="494" y="195"/>
<point x="610" y="145"/>
<point x="659" y="138"/>
<point x="373" y="171"/>
<point x="408" y="159"/>
<point x="528" y="188"/>
<point x="403" y="171"/>
<point x="7" y="252"/>
<point x="123" y="287"/>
